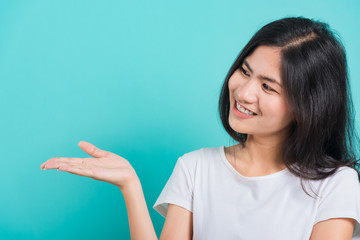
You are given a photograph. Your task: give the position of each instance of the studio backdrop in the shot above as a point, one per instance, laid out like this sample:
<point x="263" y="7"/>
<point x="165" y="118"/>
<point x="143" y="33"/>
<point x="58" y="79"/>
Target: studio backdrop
<point x="137" y="78"/>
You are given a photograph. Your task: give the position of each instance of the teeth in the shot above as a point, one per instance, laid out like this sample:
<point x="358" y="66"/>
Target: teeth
<point x="243" y="110"/>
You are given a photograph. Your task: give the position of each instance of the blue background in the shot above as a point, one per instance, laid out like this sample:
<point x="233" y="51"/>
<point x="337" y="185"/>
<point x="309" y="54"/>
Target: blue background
<point x="137" y="78"/>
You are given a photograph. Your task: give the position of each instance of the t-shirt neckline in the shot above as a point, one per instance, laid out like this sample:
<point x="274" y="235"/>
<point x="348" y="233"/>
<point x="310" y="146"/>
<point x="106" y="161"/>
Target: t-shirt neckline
<point x="257" y="178"/>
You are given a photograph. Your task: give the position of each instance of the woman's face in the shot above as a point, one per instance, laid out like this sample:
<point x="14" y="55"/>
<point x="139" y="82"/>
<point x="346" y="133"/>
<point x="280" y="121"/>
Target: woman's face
<point x="257" y="87"/>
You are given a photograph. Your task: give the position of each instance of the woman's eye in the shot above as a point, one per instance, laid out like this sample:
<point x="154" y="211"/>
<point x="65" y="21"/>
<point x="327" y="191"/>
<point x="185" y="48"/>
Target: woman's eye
<point x="244" y="71"/>
<point x="267" y="87"/>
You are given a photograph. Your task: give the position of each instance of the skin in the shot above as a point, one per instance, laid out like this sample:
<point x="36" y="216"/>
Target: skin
<point x="109" y="167"/>
<point x="261" y="155"/>
<point x="269" y="128"/>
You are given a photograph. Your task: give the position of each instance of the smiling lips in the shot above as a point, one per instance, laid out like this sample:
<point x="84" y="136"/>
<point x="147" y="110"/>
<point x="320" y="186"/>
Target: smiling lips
<point x="244" y="110"/>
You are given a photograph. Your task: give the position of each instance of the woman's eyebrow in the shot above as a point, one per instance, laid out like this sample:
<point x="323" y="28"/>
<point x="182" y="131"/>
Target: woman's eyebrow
<point x="261" y="76"/>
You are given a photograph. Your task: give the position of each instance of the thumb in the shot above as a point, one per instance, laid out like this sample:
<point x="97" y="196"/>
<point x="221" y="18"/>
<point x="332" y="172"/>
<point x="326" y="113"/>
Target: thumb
<point x="92" y="150"/>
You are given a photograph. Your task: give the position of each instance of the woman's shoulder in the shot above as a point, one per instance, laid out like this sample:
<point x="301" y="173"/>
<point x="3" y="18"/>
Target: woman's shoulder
<point x="200" y="155"/>
<point x="201" y="151"/>
<point x="344" y="175"/>
<point x="345" y="171"/>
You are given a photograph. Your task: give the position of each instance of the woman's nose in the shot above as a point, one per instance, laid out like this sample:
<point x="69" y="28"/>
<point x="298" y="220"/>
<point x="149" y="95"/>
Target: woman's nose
<point x="248" y="91"/>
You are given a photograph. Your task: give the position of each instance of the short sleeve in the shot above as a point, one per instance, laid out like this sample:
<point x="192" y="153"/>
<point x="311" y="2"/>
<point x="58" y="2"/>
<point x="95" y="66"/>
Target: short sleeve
<point x="341" y="198"/>
<point x="178" y="190"/>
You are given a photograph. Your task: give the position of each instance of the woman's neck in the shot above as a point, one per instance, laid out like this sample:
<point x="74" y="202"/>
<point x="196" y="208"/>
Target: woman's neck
<point x="262" y="150"/>
<point x="260" y="154"/>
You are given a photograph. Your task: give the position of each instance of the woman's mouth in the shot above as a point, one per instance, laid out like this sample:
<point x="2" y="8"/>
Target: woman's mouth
<point x="243" y="110"/>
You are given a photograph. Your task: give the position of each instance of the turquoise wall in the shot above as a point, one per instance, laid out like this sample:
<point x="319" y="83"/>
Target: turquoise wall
<point x="137" y="78"/>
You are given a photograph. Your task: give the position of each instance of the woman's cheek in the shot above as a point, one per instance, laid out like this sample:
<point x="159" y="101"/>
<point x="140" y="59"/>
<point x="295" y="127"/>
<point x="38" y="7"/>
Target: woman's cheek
<point x="231" y="84"/>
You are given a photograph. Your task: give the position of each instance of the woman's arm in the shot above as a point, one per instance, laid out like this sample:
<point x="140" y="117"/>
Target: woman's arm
<point x="333" y="229"/>
<point x="111" y="168"/>
<point x="178" y="224"/>
<point x="140" y="224"/>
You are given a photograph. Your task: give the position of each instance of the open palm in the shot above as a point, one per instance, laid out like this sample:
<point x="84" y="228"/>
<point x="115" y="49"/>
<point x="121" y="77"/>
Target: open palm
<point x="104" y="166"/>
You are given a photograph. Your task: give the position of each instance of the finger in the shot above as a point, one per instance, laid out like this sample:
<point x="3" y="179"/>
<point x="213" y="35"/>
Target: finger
<point x="92" y="150"/>
<point x="53" y="165"/>
<point x="43" y="165"/>
<point x="59" y="161"/>
<point x="78" y="170"/>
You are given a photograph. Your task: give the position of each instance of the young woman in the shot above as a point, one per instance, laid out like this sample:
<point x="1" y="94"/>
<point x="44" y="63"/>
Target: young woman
<point x="286" y="101"/>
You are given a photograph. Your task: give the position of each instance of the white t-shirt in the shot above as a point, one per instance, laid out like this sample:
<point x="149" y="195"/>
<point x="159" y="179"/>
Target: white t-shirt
<point x="228" y="205"/>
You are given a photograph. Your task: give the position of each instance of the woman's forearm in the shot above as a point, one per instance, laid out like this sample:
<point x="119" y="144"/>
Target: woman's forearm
<point x="140" y="224"/>
<point x="112" y="168"/>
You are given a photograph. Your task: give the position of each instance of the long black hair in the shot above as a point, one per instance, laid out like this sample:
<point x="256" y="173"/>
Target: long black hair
<point x="322" y="136"/>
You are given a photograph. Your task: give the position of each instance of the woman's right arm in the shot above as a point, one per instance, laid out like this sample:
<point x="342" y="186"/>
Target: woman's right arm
<point x="178" y="224"/>
<point x="140" y="224"/>
<point x="111" y="168"/>
<point x="178" y="221"/>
